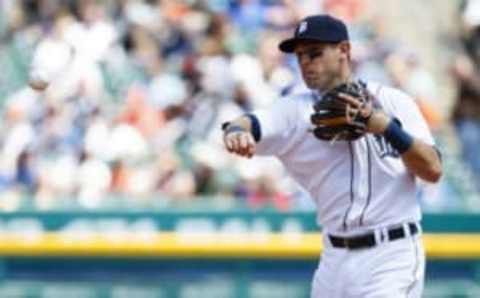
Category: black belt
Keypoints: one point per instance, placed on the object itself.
(368, 240)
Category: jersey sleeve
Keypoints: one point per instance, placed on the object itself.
(404, 108)
(277, 124)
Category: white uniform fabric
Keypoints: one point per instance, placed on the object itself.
(393, 269)
(359, 186)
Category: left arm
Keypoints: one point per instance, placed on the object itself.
(423, 161)
(420, 158)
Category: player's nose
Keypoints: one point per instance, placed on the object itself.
(303, 61)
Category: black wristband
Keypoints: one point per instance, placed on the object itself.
(397, 137)
(225, 125)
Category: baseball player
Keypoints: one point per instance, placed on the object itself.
(358, 148)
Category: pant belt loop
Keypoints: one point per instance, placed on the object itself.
(383, 233)
(406, 229)
(379, 238)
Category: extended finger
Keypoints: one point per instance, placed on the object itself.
(232, 143)
(366, 109)
(355, 102)
(243, 138)
(237, 146)
(228, 143)
(245, 144)
(351, 113)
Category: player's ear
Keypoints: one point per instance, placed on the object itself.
(344, 47)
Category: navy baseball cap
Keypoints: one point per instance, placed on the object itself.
(321, 28)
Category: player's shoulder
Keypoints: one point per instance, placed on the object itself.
(296, 92)
(306, 96)
(389, 96)
(379, 89)
(296, 98)
(289, 106)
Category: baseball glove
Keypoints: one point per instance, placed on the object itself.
(334, 118)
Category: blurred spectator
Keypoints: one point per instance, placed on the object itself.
(94, 179)
(466, 113)
(466, 73)
(407, 74)
(264, 194)
(25, 175)
(470, 18)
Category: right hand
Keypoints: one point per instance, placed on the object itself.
(240, 143)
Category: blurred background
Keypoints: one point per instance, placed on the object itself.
(113, 179)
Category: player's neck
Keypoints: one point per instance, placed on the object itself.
(344, 77)
(342, 80)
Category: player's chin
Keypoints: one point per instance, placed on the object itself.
(315, 83)
(312, 84)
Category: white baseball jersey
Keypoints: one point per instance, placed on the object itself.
(357, 186)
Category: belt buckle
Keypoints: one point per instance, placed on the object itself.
(346, 242)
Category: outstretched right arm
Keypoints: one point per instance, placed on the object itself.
(265, 132)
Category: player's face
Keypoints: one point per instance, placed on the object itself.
(322, 63)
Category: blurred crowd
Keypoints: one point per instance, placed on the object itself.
(138, 90)
(466, 73)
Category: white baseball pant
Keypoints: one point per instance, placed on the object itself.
(391, 269)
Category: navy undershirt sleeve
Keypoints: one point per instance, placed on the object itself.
(256, 130)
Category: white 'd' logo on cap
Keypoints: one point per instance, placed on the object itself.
(302, 28)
